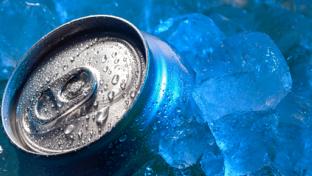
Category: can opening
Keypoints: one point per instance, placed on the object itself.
(74, 85)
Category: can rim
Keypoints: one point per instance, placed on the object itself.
(5, 108)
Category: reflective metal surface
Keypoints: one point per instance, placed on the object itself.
(77, 90)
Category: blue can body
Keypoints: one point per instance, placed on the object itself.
(164, 95)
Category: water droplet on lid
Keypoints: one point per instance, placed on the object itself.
(59, 105)
(105, 87)
(124, 95)
(87, 117)
(116, 61)
(115, 79)
(91, 133)
(65, 67)
(80, 134)
(132, 94)
(69, 129)
(72, 59)
(123, 86)
(104, 59)
(85, 92)
(105, 69)
(127, 102)
(102, 116)
(111, 95)
(95, 104)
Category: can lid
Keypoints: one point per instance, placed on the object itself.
(77, 84)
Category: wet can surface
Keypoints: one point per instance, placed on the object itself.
(84, 97)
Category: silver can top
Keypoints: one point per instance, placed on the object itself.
(79, 87)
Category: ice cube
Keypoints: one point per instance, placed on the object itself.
(7, 65)
(183, 146)
(300, 63)
(232, 20)
(287, 29)
(293, 137)
(212, 163)
(194, 37)
(245, 140)
(24, 23)
(299, 6)
(246, 73)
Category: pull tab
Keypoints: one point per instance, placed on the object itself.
(62, 97)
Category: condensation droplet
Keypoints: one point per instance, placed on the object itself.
(132, 94)
(104, 59)
(72, 59)
(123, 138)
(111, 95)
(80, 134)
(105, 87)
(123, 86)
(95, 104)
(115, 79)
(69, 129)
(65, 67)
(102, 116)
(116, 61)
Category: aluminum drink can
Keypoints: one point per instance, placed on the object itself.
(83, 98)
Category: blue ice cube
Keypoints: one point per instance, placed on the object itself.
(212, 163)
(25, 23)
(287, 29)
(293, 140)
(293, 156)
(182, 147)
(305, 163)
(160, 11)
(7, 64)
(299, 6)
(145, 14)
(246, 73)
(246, 141)
(232, 20)
(194, 37)
(300, 63)
(137, 12)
